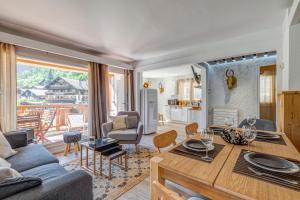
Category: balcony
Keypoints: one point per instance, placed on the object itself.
(50, 121)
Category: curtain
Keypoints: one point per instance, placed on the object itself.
(98, 98)
(185, 89)
(8, 88)
(129, 90)
(267, 83)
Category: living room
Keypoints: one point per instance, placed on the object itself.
(149, 100)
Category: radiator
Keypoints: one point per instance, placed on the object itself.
(219, 115)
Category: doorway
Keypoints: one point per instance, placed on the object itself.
(267, 102)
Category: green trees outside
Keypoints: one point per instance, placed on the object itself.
(28, 77)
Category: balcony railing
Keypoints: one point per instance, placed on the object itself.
(50, 121)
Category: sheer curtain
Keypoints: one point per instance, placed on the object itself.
(8, 87)
(185, 89)
(267, 89)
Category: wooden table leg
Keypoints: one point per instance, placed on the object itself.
(155, 176)
(81, 155)
(109, 169)
(94, 164)
(100, 165)
(87, 157)
(125, 160)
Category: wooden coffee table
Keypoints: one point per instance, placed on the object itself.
(100, 145)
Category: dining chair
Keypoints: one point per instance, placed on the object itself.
(165, 139)
(261, 124)
(163, 193)
(191, 129)
(47, 121)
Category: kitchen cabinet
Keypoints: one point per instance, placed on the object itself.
(183, 114)
(289, 115)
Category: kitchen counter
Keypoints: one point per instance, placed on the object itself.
(183, 114)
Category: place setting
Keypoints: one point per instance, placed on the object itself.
(269, 137)
(203, 149)
(270, 168)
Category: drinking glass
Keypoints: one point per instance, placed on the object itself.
(249, 134)
(251, 120)
(207, 138)
(228, 121)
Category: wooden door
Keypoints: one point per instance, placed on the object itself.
(267, 93)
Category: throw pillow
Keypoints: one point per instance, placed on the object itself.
(119, 122)
(131, 122)
(5, 148)
(4, 163)
(6, 172)
(12, 186)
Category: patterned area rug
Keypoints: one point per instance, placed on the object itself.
(122, 181)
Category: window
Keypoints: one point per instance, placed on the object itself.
(186, 90)
(266, 88)
(116, 93)
(49, 86)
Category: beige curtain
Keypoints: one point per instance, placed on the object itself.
(98, 98)
(8, 87)
(129, 91)
(185, 89)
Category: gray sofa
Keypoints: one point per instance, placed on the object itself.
(57, 184)
(126, 136)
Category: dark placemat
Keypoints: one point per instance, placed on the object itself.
(275, 141)
(181, 150)
(241, 167)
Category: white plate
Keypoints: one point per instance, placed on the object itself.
(293, 169)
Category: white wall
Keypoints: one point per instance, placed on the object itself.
(170, 89)
(294, 57)
(245, 97)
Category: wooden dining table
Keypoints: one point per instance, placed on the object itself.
(216, 180)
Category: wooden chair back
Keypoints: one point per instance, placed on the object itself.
(165, 139)
(191, 129)
(164, 193)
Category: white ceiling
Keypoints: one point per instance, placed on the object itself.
(183, 70)
(140, 29)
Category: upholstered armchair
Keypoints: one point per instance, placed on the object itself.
(125, 136)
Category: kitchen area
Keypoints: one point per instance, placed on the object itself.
(181, 94)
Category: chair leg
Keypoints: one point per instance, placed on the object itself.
(67, 149)
(76, 148)
(136, 148)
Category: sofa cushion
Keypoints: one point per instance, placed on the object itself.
(46, 172)
(5, 148)
(131, 122)
(4, 163)
(127, 134)
(12, 186)
(31, 156)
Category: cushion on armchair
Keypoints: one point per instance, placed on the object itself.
(126, 134)
(119, 122)
(131, 122)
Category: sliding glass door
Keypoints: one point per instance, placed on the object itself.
(51, 99)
